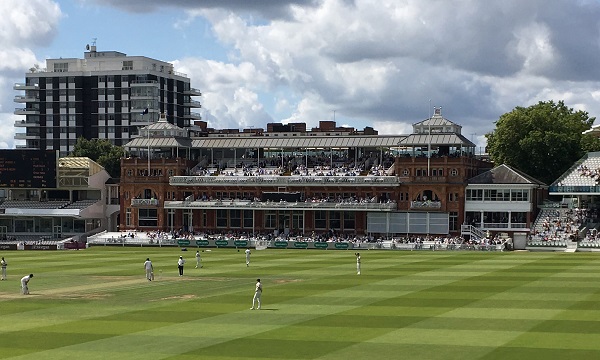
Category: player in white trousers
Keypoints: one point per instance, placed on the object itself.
(149, 269)
(257, 294)
(357, 263)
(247, 256)
(198, 260)
(25, 284)
(180, 264)
(4, 264)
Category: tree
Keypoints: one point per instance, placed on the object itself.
(102, 152)
(542, 140)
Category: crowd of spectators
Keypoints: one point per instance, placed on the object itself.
(584, 170)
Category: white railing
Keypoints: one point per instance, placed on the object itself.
(144, 202)
(284, 180)
(263, 205)
(425, 204)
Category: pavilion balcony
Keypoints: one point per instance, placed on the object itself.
(144, 202)
(425, 205)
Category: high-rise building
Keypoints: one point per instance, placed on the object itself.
(105, 95)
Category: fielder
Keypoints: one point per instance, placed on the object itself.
(180, 264)
(4, 264)
(149, 269)
(198, 260)
(257, 294)
(357, 263)
(25, 283)
(247, 256)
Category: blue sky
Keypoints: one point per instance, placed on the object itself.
(376, 63)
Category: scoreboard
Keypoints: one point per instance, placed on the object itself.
(28, 168)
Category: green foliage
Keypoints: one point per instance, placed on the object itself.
(102, 152)
(590, 143)
(542, 140)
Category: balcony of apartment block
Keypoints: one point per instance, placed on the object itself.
(193, 116)
(26, 147)
(192, 103)
(144, 202)
(142, 83)
(142, 97)
(23, 86)
(425, 205)
(26, 123)
(25, 136)
(26, 111)
(26, 99)
(193, 92)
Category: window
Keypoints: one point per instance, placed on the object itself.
(61, 67)
(297, 221)
(221, 218)
(453, 221)
(170, 218)
(405, 172)
(519, 195)
(320, 220)
(518, 219)
(474, 194)
(248, 219)
(349, 220)
(147, 217)
(128, 217)
(127, 65)
(235, 218)
(453, 172)
(270, 220)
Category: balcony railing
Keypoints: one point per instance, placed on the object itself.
(193, 115)
(144, 202)
(426, 204)
(24, 123)
(25, 111)
(144, 83)
(192, 103)
(25, 136)
(269, 205)
(23, 99)
(193, 91)
(284, 180)
(505, 225)
(23, 86)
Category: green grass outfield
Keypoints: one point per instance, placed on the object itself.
(96, 304)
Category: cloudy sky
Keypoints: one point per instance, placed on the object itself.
(377, 63)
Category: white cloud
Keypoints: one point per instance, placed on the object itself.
(25, 25)
(375, 62)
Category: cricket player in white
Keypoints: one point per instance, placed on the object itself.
(357, 263)
(257, 294)
(180, 264)
(198, 260)
(247, 256)
(3, 264)
(149, 269)
(24, 284)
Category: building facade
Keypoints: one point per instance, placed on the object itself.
(105, 95)
(299, 182)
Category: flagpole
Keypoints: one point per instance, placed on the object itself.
(148, 135)
(429, 144)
